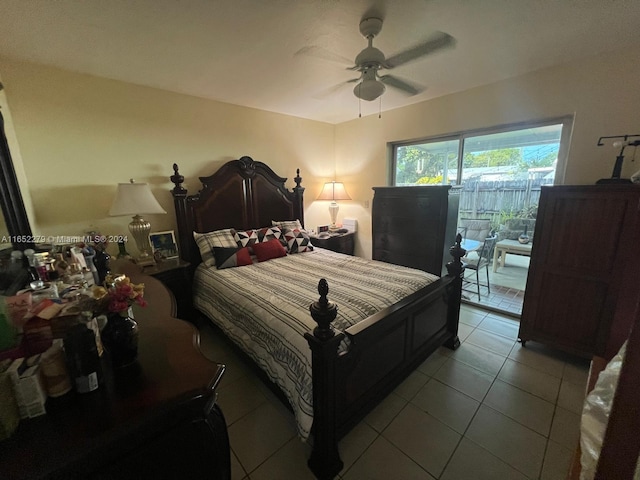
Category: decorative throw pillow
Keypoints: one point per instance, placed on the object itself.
(218, 238)
(268, 250)
(291, 224)
(248, 238)
(298, 241)
(231, 257)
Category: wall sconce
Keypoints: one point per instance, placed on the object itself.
(333, 191)
(136, 199)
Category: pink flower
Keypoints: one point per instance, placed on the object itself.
(119, 296)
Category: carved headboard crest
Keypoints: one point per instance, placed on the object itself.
(242, 194)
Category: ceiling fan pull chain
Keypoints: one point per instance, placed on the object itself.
(380, 107)
(359, 103)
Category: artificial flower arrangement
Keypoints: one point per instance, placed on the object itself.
(118, 294)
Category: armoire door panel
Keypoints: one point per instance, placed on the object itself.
(586, 233)
(570, 312)
(585, 237)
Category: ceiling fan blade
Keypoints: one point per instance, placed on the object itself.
(319, 52)
(403, 86)
(333, 89)
(439, 41)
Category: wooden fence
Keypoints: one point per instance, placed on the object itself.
(500, 199)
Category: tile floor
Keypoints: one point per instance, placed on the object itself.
(490, 410)
(504, 299)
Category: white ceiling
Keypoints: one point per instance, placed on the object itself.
(244, 51)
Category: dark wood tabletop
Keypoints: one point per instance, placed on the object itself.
(169, 369)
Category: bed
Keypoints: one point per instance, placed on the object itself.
(346, 343)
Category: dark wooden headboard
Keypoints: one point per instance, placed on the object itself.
(242, 194)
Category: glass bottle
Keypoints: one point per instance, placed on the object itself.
(82, 357)
(122, 250)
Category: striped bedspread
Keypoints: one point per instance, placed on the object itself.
(264, 308)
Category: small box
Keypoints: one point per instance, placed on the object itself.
(28, 388)
(350, 224)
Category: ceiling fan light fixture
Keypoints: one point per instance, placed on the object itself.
(369, 90)
(370, 55)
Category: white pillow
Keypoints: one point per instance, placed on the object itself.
(292, 224)
(218, 238)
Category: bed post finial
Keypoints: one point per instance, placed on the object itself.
(298, 191)
(298, 178)
(455, 269)
(323, 312)
(325, 460)
(177, 180)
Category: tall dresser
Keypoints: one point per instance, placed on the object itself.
(415, 226)
(581, 265)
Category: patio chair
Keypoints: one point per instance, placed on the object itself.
(475, 229)
(484, 259)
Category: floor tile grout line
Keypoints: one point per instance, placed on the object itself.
(472, 328)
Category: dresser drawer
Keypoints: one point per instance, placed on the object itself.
(408, 225)
(411, 242)
(400, 207)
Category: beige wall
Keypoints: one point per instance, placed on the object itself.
(602, 92)
(81, 135)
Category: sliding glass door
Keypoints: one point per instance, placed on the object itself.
(498, 173)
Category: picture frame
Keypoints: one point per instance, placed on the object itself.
(164, 244)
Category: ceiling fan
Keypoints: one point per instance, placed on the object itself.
(370, 84)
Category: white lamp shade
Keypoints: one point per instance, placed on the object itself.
(134, 199)
(334, 191)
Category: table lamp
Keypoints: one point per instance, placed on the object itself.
(136, 199)
(333, 191)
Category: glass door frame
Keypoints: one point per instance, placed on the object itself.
(563, 152)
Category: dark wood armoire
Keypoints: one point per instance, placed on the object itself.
(580, 266)
(415, 226)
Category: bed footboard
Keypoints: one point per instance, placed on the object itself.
(382, 351)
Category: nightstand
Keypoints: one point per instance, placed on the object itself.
(174, 274)
(340, 243)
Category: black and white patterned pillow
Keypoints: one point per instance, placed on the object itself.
(208, 241)
(247, 238)
(298, 240)
(231, 257)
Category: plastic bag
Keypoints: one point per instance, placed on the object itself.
(595, 416)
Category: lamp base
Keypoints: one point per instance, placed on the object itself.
(140, 229)
(333, 212)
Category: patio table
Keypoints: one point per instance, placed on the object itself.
(509, 246)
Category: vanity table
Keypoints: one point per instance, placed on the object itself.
(151, 419)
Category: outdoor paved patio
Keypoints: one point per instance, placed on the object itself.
(507, 287)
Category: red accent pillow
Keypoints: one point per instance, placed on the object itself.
(243, 256)
(268, 250)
